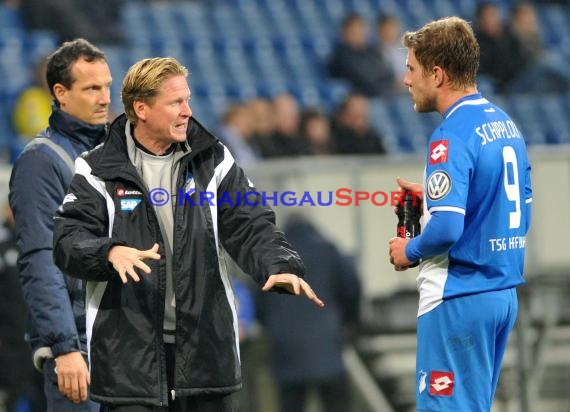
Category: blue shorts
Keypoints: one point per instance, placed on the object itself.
(461, 344)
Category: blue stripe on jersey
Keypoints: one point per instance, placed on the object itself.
(477, 162)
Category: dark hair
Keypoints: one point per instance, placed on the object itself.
(308, 115)
(345, 102)
(351, 18)
(60, 62)
(386, 18)
(484, 6)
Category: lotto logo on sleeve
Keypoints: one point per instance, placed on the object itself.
(441, 383)
(438, 152)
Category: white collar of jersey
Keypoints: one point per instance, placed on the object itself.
(471, 100)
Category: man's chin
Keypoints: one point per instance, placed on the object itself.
(179, 137)
(100, 119)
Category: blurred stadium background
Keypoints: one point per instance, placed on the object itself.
(239, 49)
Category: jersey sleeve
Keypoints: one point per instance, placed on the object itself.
(449, 166)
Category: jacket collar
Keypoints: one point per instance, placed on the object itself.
(115, 150)
(88, 135)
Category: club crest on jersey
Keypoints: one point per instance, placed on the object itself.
(190, 184)
(438, 151)
(438, 185)
(441, 383)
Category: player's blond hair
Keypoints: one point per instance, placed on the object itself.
(450, 44)
(144, 79)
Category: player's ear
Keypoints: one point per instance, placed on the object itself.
(438, 76)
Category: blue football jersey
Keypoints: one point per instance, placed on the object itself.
(477, 165)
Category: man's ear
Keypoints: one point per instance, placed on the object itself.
(60, 93)
(140, 109)
(438, 75)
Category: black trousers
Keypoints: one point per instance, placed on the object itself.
(199, 403)
(333, 394)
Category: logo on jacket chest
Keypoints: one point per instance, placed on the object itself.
(129, 199)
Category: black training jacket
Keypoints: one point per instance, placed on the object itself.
(107, 204)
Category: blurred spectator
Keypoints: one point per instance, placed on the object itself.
(96, 21)
(315, 129)
(501, 58)
(388, 30)
(357, 61)
(20, 384)
(306, 344)
(235, 132)
(33, 105)
(545, 70)
(524, 26)
(287, 118)
(352, 130)
(263, 115)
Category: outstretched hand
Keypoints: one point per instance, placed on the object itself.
(124, 259)
(293, 284)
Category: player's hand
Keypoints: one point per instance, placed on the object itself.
(72, 376)
(398, 253)
(124, 259)
(416, 189)
(293, 284)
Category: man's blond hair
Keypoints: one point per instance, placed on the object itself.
(450, 44)
(145, 78)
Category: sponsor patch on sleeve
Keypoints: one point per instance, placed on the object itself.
(438, 151)
(438, 185)
(441, 383)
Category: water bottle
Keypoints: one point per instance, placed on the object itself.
(409, 213)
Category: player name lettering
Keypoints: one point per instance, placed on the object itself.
(489, 132)
(507, 243)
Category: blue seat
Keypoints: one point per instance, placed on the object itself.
(171, 47)
(256, 22)
(311, 19)
(419, 13)
(555, 123)
(283, 21)
(526, 113)
(6, 130)
(161, 20)
(442, 8)
(334, 11)
(383, 123)
(11, 19)
(411, 127)
(39, 44)
(194, 18)
(134, 18)
(236, 62)
(554, 20)
(227, 21)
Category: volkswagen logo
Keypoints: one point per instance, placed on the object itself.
(438, 185)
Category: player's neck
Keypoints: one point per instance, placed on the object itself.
(451, 96)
